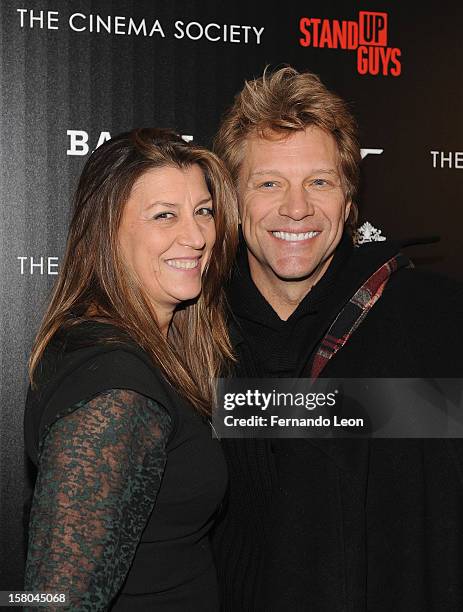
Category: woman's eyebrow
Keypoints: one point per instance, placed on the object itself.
(175, 205)
(162, 203)
(204, 201)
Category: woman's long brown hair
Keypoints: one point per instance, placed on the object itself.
(94, 278)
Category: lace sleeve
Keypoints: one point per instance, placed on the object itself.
(100, 469)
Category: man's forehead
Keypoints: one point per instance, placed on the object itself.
(271, 138)
(311, 142)
(268, 137)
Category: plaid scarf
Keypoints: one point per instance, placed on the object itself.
(354, 312)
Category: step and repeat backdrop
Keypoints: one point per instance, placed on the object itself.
(75, 72)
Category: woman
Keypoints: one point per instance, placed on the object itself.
(128, 474)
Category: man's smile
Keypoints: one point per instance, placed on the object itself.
(294, 236)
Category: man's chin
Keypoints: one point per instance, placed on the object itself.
(300, 269)
(294, 276)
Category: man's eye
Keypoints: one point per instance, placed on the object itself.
(319, 182)
(205, 211)
(268, 184)
(164, 215)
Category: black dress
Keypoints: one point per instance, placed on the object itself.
(128, 480)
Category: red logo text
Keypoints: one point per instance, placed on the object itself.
(368, 37)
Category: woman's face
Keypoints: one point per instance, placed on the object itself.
(167, 233)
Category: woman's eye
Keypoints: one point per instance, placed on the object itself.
(164, 215)
(205, 211)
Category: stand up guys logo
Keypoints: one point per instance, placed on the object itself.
(368, 37)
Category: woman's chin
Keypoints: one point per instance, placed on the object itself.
(186, 295)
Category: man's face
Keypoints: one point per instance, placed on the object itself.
(292, 205)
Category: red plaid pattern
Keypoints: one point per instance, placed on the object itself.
(354, 312)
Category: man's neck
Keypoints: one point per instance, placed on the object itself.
(284, 296)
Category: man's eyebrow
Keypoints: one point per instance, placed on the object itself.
(332, 171)
(279, 173)
(266, 171)
(325, 171)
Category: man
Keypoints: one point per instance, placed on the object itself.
(331, 525)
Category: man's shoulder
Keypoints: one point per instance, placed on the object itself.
(411, 280)
(415, 297)
(418, 283)
(427, 306)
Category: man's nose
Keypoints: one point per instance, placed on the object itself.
(297, 204)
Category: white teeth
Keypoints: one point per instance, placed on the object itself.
(183, 264)
(290, 237)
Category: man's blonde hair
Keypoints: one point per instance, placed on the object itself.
(285, 101)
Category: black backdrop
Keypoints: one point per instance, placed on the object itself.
(64, 82)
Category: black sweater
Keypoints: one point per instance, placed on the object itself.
(346, 525)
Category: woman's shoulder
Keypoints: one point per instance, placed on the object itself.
(90, 350)
(89, 339)
(88, 333)
(86, 360)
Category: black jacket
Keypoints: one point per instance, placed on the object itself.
(347, 525)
